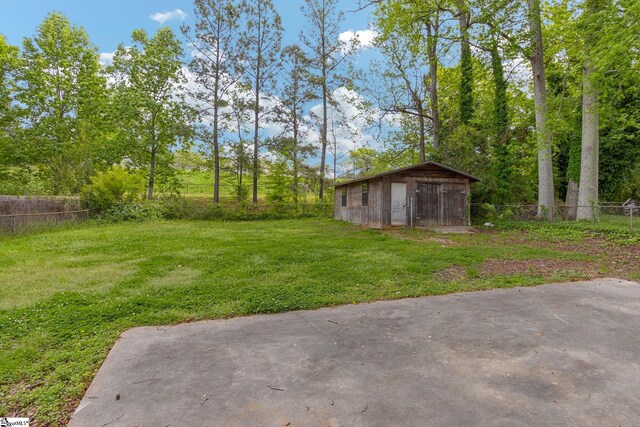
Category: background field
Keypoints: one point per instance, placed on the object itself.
(67, 294)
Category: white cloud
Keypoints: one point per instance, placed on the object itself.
(106, 58)
(162, 17)
(347, 122)
(364, 37)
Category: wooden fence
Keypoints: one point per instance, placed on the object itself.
(18, 213)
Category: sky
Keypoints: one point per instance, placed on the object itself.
(111, 22)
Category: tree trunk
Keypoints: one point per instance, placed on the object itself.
(501, 122)
(335, 162)
(256, 130)
(573, 172)
(432, 44)
(323, 132)
(240, 169)
(466, 66)
(589, 159)
(216, 156)
(421, 118)
(546, 201)
(152, 174)
(216, 143)
(571, 201)
(294, 154)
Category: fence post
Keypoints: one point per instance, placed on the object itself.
(14, 224)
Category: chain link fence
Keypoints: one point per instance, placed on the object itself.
(615, 214)
(15, 223)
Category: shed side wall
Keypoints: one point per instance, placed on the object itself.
(355, 212)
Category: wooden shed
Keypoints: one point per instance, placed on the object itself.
(424, 195)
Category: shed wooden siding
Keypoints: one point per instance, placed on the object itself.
(447, 207)
(354, 211)
(451, 189)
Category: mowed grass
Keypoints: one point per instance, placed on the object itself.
(66, 295)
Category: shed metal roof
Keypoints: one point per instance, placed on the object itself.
(419, 166)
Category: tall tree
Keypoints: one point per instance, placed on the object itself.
(503, 162)
(215, 63)
(147, 77)
(327, 54)
(405, 83)
(546, 197)
(432, 27)
(409, 73)
(466, 64)
(296, 93)
(63, 99)
(239, 137)
(589, 159)
(261, 42)
(9, 64)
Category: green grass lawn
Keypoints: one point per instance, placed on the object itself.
(67, 294)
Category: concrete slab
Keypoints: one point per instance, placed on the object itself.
(564, 354)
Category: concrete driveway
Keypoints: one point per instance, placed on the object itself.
(564, 354)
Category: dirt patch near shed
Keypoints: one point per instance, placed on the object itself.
(451, 274)
(540, 267)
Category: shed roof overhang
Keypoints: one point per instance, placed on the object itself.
(420, 166)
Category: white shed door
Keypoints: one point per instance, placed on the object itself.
(398, 203)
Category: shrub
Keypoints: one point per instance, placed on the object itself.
(114, 187)
(172, 206)
(133, 211)
(488, 212)
(507, 215)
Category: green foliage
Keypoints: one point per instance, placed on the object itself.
(22, 181)
(277, 212)
(466, 85)
(487, 211)
(63, 110)
(280, 190)
(503, 163)
(136, 211)
(115, 186)
(173, 206)
(152, 117)
(260, 43)
(9, 65)
(615, 232)
(60, 123)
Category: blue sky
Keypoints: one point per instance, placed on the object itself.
(110, 22)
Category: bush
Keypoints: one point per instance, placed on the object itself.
(507, 215)
(21, 181)
(273, 212)
(172, 206)
(488, 212)
(116, 187)
(133, 211)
